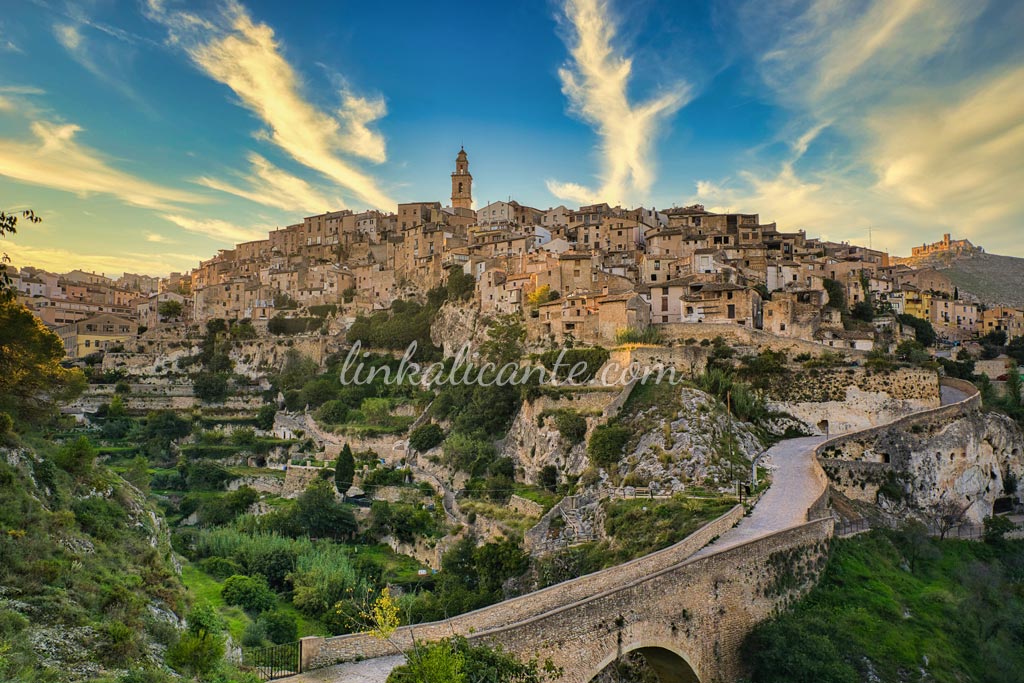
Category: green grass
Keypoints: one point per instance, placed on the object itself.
(893, 604)
(205, 588)
(637, 531)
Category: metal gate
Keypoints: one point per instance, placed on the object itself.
(275, 661)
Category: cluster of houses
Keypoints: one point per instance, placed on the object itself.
(585, 274)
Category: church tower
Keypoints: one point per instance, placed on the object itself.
(462, 183)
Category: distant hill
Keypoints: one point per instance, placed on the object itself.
(993, 279)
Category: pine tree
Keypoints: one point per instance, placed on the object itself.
(344, 470)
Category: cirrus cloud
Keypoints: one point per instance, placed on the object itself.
(596, 83)
(245, 55)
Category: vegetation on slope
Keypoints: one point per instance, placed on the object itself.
(899, 606)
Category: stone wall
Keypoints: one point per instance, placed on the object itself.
(298, 477)
(853, 398)
(525, 507)
(739, 335)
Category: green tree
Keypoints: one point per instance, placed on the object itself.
(251, 593)
(279, 627)
(425, 437)
(77, 457)
(836, 294)
(32, 380)
(607, 443)
(199, 650)
(319, 514)
(210, 387)
(344, 470)
(505, 337)
(265, 417)
(170, 309)
(376, 410)
(924, 332)
(9, 226)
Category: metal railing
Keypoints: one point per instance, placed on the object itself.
(275, 661)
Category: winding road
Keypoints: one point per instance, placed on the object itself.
(796, 485)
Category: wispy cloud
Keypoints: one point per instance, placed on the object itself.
(596, 83)
(157, 238)
(217, 229)
(106, 60)
(245, 55)
(269, 185)
(55, 159)
(912, 146)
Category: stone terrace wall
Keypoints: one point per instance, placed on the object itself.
(362, 646)
(739, 335)
(853, 398)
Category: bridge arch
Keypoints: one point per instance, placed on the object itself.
(665, 659)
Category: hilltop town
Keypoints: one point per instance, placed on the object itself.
(584, 274)
(200, 435)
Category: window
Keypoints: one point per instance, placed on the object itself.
(732, 311)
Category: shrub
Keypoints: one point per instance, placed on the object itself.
(251, 593)
(99, 517)
(221, 567)
(607, 443)
(425, 437)
(210, 387)
(279, 627)
(332, 412)
(76, 457)
(265, 417)
(579, 364)
(572, 426)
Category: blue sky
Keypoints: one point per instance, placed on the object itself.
(150, 133)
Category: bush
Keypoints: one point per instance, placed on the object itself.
(332, 412)
(607, 443)
(251, 593)
(579, 364)
(76, 457)
(425, 437)
(996, 528)
(265, 417)
(210, 387)
(100, 517)
(279, 627)
(571, 425)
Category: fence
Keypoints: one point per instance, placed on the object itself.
(276, 661)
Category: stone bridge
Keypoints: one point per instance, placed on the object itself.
(687, 608)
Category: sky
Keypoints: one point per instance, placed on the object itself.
(150, 133)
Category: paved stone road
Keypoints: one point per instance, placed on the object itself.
(369, 671)
(794, 488)
(785, 503)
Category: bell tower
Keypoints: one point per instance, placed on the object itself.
(462, 182)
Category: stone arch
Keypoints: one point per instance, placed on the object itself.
(665, 659)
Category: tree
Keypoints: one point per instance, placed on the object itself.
(344, 470)
(505, 337)
(319, 514)
(836, 294)
(425, 437)
(924, 332)
(201, 647)
(9, 225)
(251, 593)
(210, 387)
(947, 514)
(607, 443)
(170, 309)
(996, 528)
(265, 417)
(32, 380)
(280, 627)
(77, 457)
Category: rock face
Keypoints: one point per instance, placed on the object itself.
(973, 459)
(455, 326)
(679, 442)
(701, 443)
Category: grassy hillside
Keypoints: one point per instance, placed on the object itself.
(992, 278)
(87, 584)
(899, 606)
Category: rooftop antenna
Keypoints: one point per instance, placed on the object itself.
(869, 239)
